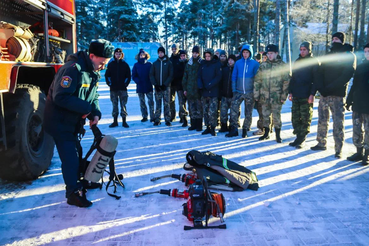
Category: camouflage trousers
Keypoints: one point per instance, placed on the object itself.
(248, 100)
(210, 108)
(271, 111)
(225, 105)
(122, 98)
(335, 105)
(302, 113)
(259, 124)
(358, 121)
(195, 108)
(143, 107)
(181, 101)
(165, 97)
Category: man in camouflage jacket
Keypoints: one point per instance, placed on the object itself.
(271, 90)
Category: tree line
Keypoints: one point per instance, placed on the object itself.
(221, 23)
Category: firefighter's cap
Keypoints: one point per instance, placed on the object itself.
(101, 48)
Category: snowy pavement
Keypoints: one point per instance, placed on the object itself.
(305, 197)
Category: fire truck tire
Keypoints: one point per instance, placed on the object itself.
(30, 148)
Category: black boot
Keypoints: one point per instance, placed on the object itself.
(244, 133)
(318, 147)
(184, 121)
(124, 124)
(115, 123)
(198, 125)
(78, 198)
(207, 131)
(266, 134)
(294, 143)
(278, 135)
(300, 141)
(212, 131)
(193, 124)
(358, 156)
(223, 127)
(233, 132)
(365, 158)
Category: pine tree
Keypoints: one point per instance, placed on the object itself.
(148, 28)
(122, 21)
(89, 26)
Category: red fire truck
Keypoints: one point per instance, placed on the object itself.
(35, 38)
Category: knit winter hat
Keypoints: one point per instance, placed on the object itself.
(117, 50)
(182, 52)
(196, 49)
(101, 48)
(366, 46)
(233, 57)
(340, 36)
(161, 49)
(174, 46)
(307, 45)
(272, 48)
(223, 52)
(210, 51)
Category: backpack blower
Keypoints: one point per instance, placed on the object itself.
(202, 204)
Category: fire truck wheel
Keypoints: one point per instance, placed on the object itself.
(30, 148)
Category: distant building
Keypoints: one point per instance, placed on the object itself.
(130, 50)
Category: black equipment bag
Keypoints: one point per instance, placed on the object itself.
(220, 172)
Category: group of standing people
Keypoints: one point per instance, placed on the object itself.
(215, 86)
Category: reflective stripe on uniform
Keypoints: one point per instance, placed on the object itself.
(88, 85)
(225, 163)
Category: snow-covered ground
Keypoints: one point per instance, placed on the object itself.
(305, 197)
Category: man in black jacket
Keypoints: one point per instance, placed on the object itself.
(177, 79)
(118, 76)
(71, 99)
(302, 92)
(226, 93)
(179, 61)
(161, 75)
(359, 99)
(336, 70)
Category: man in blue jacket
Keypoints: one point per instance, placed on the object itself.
(118, 76)
(141, 76)
(71, 99)
(243, 75)
(209, 76)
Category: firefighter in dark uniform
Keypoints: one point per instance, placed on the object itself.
(71, 99)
